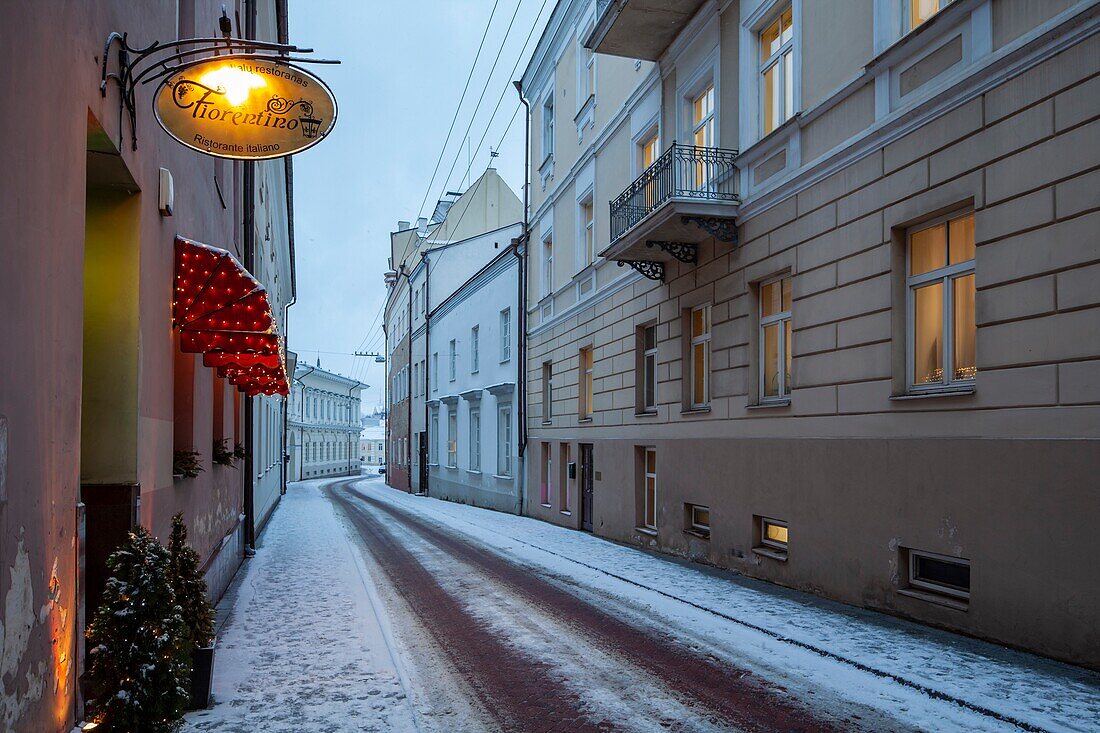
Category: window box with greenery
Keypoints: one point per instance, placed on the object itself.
(221, 455)
(186, 464)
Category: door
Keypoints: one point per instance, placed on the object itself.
(586, 486)
(423, 451)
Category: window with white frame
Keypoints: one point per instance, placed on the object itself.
(586, 70)
(548, 127)
(547, 279)
(702, 133)
(649, 489)
(698, 519)
(433, 439)
(942, 326)
(648, 150)
(647, 385)
(474, 348)
(773, 534)
(453, 356)
(587, 234)
(700, 356)
(435, 372)
(504, 440)
(475, 438)
(920, 11)
(584, 380)
(547, 391)
(775, 339)
(505, 335)
(452, 437)
(777, 71)
(940, 574)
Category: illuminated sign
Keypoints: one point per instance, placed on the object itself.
(245, 107)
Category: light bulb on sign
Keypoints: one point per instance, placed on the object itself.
(236, 83)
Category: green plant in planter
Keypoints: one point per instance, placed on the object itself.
(138, 648)
(186, 463)
(189, 587)
(238, 451)
(221, 455)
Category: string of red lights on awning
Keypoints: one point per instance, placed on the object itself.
(222, 313)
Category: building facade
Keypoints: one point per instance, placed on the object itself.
(97, 398)
(856, 325)
(372, 446)
(431, 261)
(324, 424)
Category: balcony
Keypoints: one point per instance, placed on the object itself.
(639, 29)
(688, 195)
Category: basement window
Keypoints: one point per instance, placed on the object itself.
(772, 538)
(698, 520)
(939, 575)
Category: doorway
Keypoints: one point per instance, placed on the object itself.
(587, 475)
(422, 452)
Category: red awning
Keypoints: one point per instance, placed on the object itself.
(222, 312)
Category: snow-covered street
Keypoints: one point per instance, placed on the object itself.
(367, 609)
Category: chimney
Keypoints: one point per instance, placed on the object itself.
(422, 226)
(402, 226)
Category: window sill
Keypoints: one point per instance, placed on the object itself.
(696, 410)
(475, 473)
(769, 404)
(501, 476)
(779, 555)
(547, 422)
(933, 394)
(646, 413)
(698, 533)
(957, 604)
(584, 420)
(433, 465)
(646, 530)
(566, 513)
(545, 506)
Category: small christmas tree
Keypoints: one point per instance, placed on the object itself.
(138, 642)
(189, 587)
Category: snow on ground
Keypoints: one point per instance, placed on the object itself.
(306, 647)
(910, 670)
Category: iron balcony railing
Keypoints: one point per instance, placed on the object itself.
(683, 171)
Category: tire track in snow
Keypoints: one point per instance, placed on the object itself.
(515, 690)
(735, 695)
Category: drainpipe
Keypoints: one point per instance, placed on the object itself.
(286, 315)
(425, 471)
(249, 181)
(408, 383)
(519, 249)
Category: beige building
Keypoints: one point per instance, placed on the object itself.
(839, 325)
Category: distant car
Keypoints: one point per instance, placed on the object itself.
(382, 469)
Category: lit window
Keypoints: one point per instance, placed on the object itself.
(504, 440)
(777, 71)
(773, 534)
(700, 356)
(647, 155)
(647, 385)
(475, 439)
(584, 395)
(775, 339)
(921, 10)
(475, 357)
(649, 498)
(941, 574)
(505, 335)
(547, 391)
(452, 438)
(699, 519)
(942, 323)
(702, 134)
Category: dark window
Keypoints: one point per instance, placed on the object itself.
(941, 572)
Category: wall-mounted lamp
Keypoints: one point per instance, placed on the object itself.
(167, 198)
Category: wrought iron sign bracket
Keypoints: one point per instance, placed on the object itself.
(158, 60)
(687, 253)
(650, 270)
(722, 229)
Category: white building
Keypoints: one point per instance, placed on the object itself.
(372, 445)
(324, 424)
(467, 355)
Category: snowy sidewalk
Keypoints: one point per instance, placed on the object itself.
(862, 653)
(305, 648)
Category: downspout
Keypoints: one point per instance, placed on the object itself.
(519, 249)
(408, 385)
(249, 181)
(425, 470)
(284, 35)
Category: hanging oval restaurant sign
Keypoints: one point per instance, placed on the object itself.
(245, 107)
